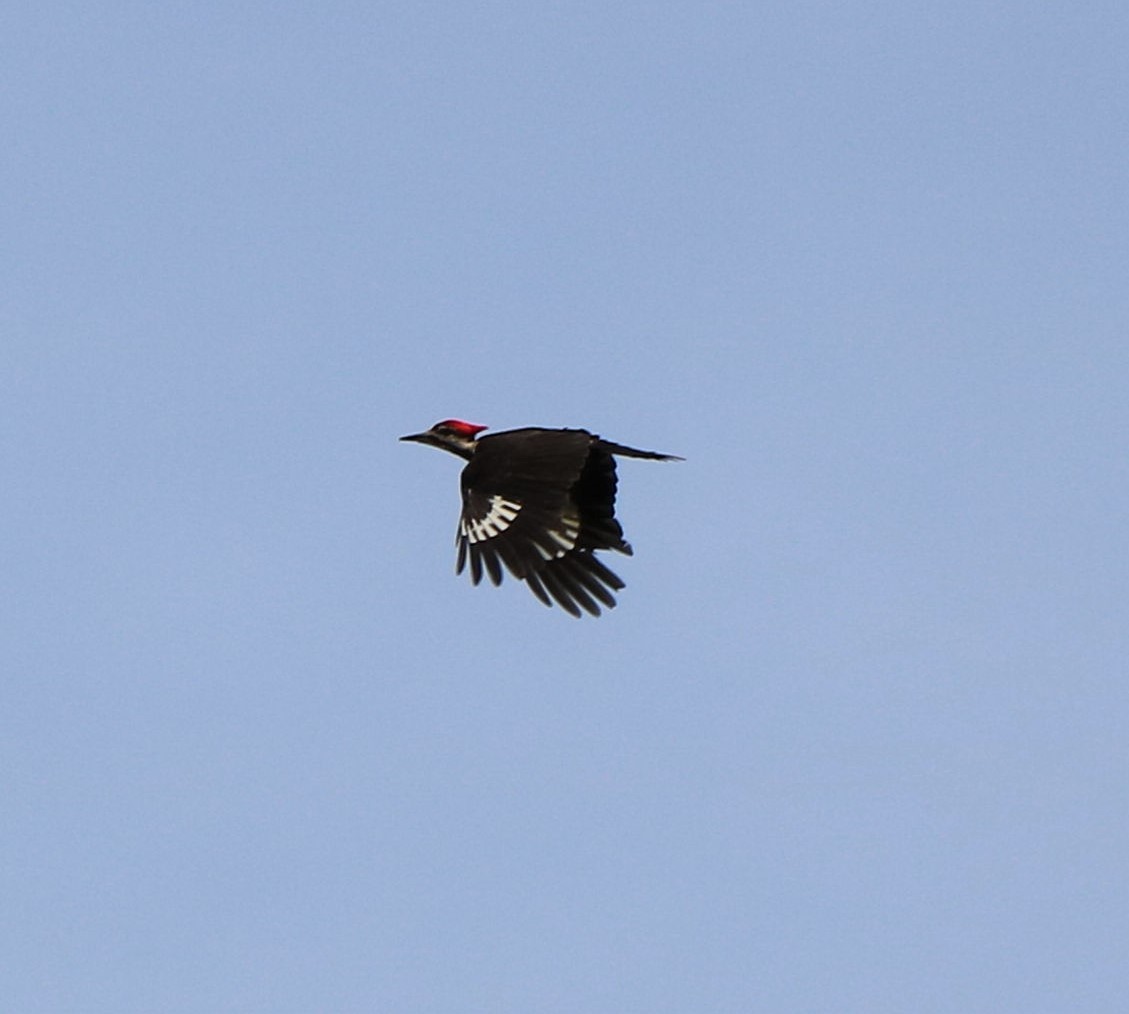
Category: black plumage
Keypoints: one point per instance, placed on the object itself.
(539, 503)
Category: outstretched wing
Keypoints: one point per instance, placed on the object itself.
(538, 503)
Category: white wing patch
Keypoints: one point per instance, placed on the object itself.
(565, 539)
(498, 518)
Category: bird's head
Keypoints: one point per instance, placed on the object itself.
(452, 435)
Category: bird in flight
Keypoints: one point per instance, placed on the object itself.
(541, 502)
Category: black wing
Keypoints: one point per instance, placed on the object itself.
(539, 503)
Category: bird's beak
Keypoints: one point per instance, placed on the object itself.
(419, 438)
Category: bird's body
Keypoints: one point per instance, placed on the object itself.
(539, 502)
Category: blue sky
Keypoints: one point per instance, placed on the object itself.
(854, 739)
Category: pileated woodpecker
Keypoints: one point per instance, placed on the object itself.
(541, 502)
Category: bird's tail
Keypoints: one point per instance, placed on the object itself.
(634, 452)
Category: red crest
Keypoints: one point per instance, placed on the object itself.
(466, 428)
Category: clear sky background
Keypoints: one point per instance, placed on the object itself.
(855, 739)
